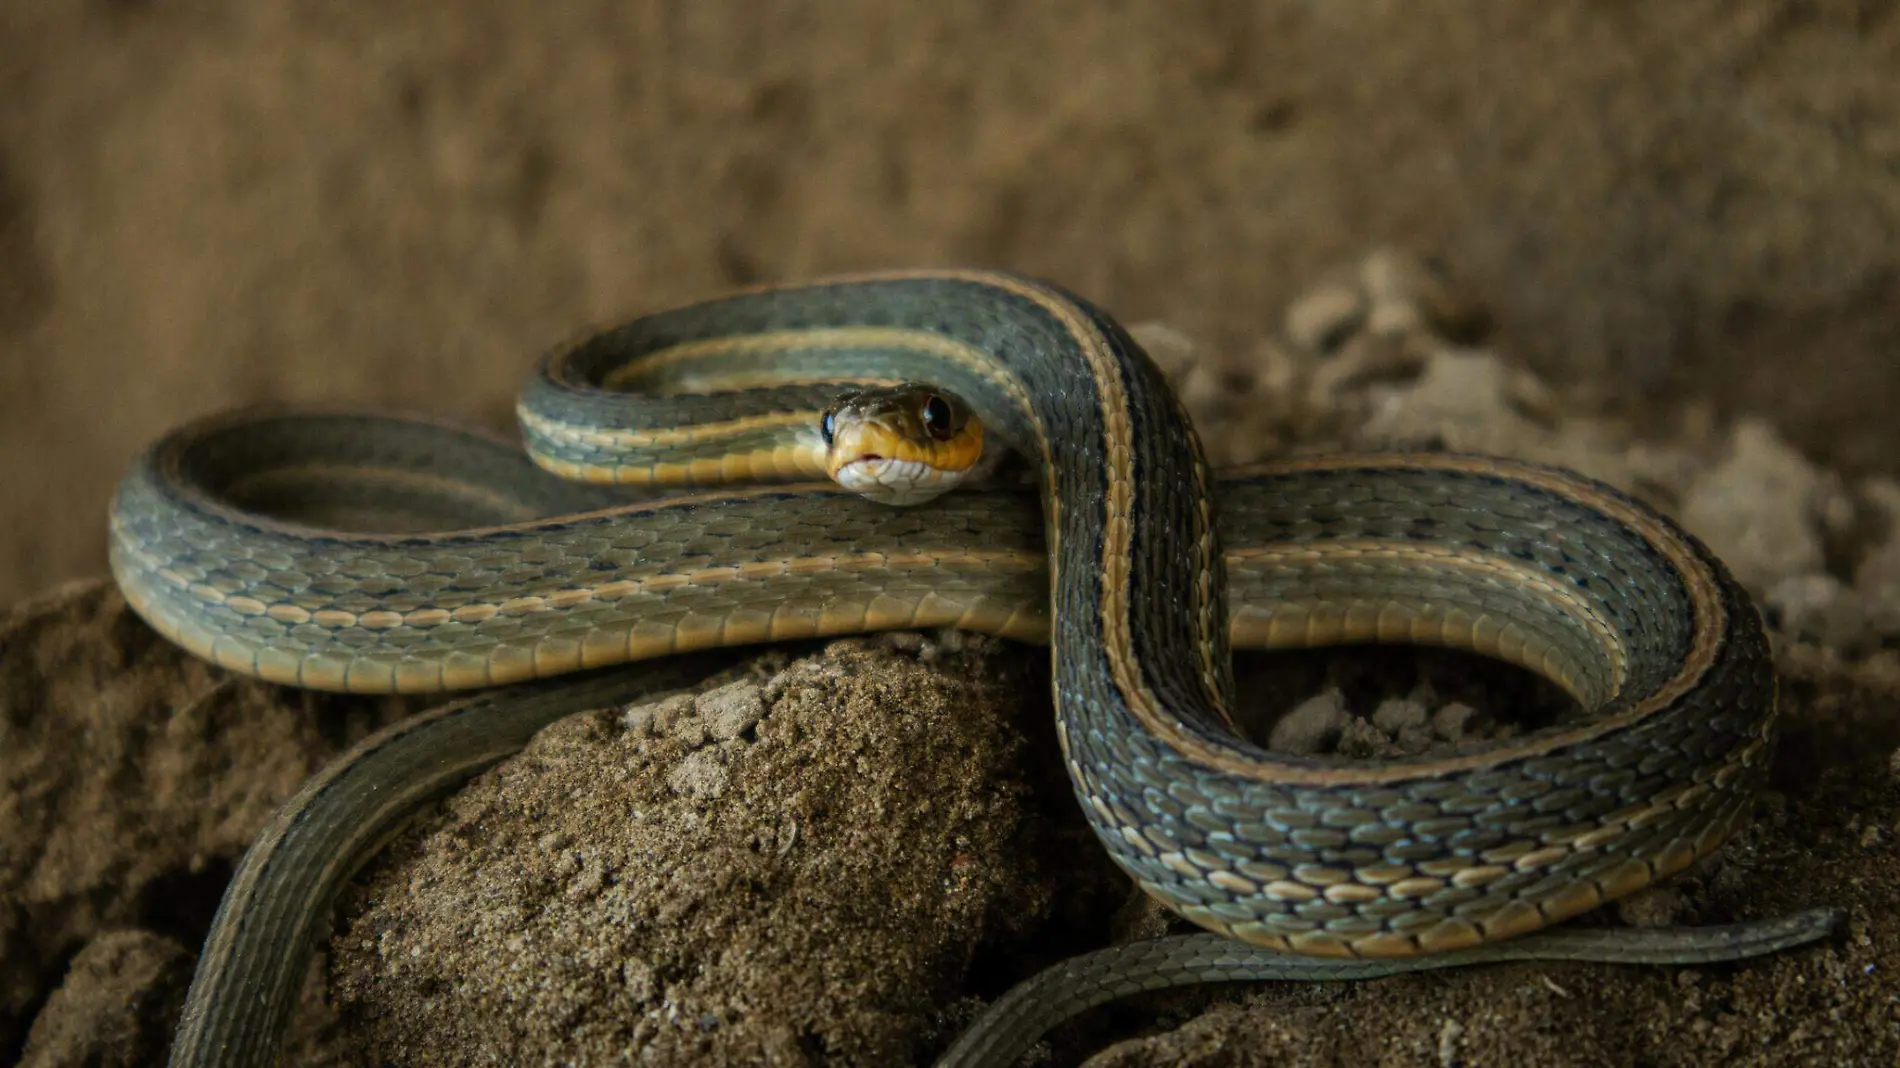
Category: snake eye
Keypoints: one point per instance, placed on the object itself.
(828, 426)
(936, 416)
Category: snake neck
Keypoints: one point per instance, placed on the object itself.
(1138, 580)
(1126, 485)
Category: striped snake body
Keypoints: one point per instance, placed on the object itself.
(1138, 569)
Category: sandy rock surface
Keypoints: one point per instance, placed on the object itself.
(798, 866)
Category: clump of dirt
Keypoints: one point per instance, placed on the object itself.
(118, 1004)
(800, 866)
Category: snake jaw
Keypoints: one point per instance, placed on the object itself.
(902, 483)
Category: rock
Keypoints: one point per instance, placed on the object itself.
(1313, 726)
(1756, 508)
(810, 869)
(116, 1007)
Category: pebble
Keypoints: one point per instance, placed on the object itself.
(1323, 318)
(732, 709)
(1313, 726)
(1755, 509)
(1456, 721)
(702, 775)
(1395, 714)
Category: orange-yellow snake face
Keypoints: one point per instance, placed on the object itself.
(901, 445)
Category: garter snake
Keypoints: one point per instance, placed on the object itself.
(1127, 569)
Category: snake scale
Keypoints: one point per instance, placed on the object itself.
(445, 562)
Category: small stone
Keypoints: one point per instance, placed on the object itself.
(1835, 508)
(1205, 389)
(1653, 907)
(1395, 714)
(1877, 582)
(1360, 740)
(1756, 509)
(664, 714)
(1416, 739)
(637, 720)
(1450, 1036)
(701, 775)
(1457, 721)
(1459, 399)
(1170, 348)
(1393, 318)
(1276, 368)
(1883, 496)
(1410, 292)
(116, 1004)
(1323, 318)
(731, 710)
(1312, 726)
(904, 641)
(592, 877)
(1818, 607)
(1391, 275)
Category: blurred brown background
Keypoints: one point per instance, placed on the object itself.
(210, 203)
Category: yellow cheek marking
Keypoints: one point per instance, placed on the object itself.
(854, 441)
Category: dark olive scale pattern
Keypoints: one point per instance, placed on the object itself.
(1121, 771)
(229, 537)
(1161, 808)
(193, 536)
(1171, 821)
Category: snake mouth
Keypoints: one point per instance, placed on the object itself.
(901, 445)
(893, 481)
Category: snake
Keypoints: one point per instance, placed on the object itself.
(385, 553)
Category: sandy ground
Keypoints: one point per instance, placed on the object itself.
(1681, 217)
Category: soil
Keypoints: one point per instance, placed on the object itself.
(1655, 243)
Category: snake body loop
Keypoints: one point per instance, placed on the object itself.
(1127, 570)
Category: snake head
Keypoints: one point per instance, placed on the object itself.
(901, 445)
